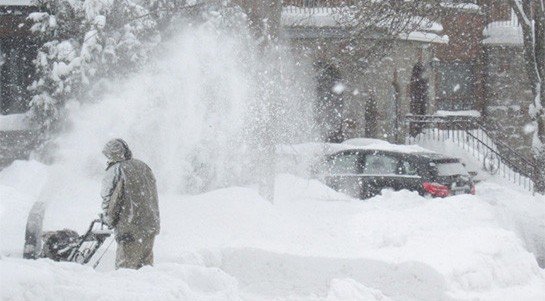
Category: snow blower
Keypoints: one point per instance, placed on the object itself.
(62, 245)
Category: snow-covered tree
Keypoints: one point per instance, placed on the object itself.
(86, 42)
(531, 15)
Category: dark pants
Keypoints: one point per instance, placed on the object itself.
(134, 253)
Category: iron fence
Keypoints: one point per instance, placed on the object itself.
(468, 133)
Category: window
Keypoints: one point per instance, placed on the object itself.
(376, 164)
(456, 86)
(451, 169)
(344, 164)
(408, 168)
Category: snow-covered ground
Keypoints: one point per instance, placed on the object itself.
(311, 244)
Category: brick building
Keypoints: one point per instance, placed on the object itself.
(507, 87)
(459, 74)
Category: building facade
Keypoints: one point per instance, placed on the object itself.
(507, 87)
(477, 71)
(17, 50)
(362, 94)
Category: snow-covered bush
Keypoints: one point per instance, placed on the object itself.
(86, 42)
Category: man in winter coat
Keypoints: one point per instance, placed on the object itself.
(130, 204)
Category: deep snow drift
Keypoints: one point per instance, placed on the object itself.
(312, 244)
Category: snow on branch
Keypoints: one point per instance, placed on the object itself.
(85, 42)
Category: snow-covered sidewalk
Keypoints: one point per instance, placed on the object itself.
(312, 244)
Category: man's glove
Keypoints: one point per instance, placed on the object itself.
(104, 220)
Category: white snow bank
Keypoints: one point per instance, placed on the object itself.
(18, 2)
(503, 33)
(462, 6)
(46, 280)
(465, 113)
(426, 37)
(399, 245)
(521, 213)
(348, 289)
(324, 17)
(13, 122)
(280, 275)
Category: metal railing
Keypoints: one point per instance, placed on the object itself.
(313, 6)
(469, 134)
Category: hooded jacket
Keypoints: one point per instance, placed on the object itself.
(129, 194)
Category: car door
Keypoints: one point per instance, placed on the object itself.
(344, 173)
(410, 174)
(380, 171)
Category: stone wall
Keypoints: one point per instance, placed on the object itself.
(508, 96)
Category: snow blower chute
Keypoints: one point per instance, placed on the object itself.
(62, 245)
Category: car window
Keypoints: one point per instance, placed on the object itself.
(344, 164)
(450, 169)
(378, 164)
(408, 168)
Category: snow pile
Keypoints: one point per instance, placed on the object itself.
(46, 280)
(466, 113)
(462, 6)
(311, 244)
(17, 2)
(13, 122)
(503, 33)
(323, 17)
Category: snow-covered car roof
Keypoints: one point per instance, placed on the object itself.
(381, 145)
(356, 143)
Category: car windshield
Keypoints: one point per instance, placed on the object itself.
(450, 169)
